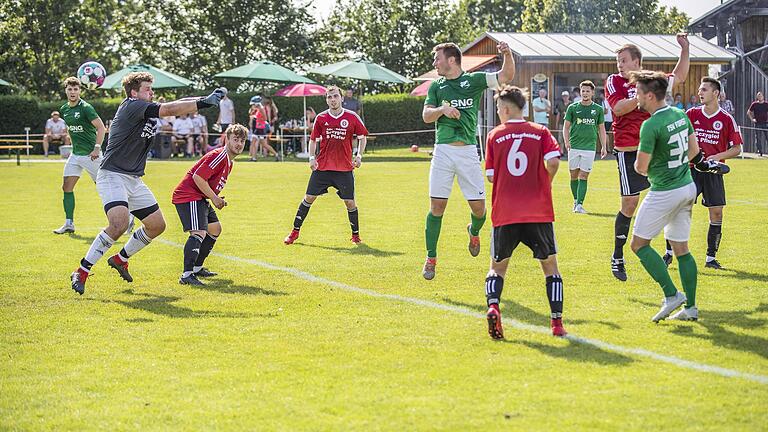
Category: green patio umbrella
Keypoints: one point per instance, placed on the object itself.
(264, 70)
(163, 79)
(362, 70)
(4, 82)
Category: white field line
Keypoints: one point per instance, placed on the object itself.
(638, 352)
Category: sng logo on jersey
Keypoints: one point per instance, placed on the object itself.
(75, 129)
(464, 84)
(717, 125)
(462, 103)
(344, 123)
(590, 122)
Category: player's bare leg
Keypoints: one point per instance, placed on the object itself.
(476, 224)
(554, 284)
(68, 187)
(354, 221)
(153, 226)
(301, 215)
(494, 284)
(432, 234)
(621, 234)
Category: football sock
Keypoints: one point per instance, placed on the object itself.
(555, 295)
(301, 214)
(655, 267)
(353, 220)
(688, 274)
(714, 235)
(493, 287)
(432, 233)
(99, 247)
(69, 205)
(139, 239)
(477, 223)
(582, 191)
(575, 189)
(191, 252)
(669, 247)
(208, 242)
(621, 231)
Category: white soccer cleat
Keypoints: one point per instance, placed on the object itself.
(579, 209)
(66, 228)
(687, 314)
(668, 305)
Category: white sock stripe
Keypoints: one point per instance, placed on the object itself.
(141, 235)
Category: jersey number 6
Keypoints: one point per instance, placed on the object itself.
(517, 161)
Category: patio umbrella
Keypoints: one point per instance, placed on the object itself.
(303, 90)
(362, 70)
(421, 89)
(162, 79)
(264, 70)
(4, 82)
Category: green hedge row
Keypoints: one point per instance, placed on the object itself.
(382, 113)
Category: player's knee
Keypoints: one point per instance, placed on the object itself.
(716, 214)
(350, 204)
(310, 198)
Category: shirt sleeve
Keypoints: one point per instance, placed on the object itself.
(752, 107)
(551, 147)
(489, 154)
(613, 92)
(734, 133)
(648, 138)
(691, 130)
(600, 115)
(569, 114)
(432, 95)
(316, 130)
(485, 80)
(360, 129)
(91, 114)
(204, 169)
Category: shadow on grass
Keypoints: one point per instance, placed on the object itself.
(361, 249)
(228, 286)
(716, 324)
(602, 215)
(376, 158)
(85, 239)
(738, 274)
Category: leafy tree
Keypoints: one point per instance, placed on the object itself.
(494, 15)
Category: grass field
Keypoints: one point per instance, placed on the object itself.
(323, 335)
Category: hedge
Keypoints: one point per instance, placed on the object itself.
(382, 113)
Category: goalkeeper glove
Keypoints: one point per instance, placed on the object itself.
(211, 100)
(709, 166)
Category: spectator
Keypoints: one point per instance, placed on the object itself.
(199, 132)
(258, 124)
(55, 131)
(182, 131)
(226, 112)
(349, 102)
(726, 104)
(607, 116)
(693, 102)
(541, 108)
(758, 113)
(561, 107)
(575, 96)
(270, 110)
(679, 101)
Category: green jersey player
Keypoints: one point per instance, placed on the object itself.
(86, 132)
(667, 144)
(452, 102)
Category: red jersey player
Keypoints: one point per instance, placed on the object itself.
(203, 182)
(627, 118)
(335, 130)
(719, 138)
(521, 160)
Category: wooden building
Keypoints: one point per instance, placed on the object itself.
(559, 62)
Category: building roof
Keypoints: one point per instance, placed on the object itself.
(718, 16)
(469, 63)
(602, 46)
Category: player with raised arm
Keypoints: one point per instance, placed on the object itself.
(119, 179)
(521, 160)
(584, 124)
(334, 131)
(86, 132)
(452, 103)
(203, 182)
(627, 118)
(667, 144)
(719, 138)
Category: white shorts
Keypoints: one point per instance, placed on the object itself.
(461, 161)
(581, 160)
(669, 210)
(76, 164)
(123, 189)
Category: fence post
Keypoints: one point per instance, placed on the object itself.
(26, 132)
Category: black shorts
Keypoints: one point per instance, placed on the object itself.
(539, 237)
(196, 215)
(343, 181)
(630, 182)
(711, 188)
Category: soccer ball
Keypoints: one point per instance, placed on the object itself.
(91, 75)
(414, 148)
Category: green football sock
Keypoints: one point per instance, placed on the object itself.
(687, 267)
(432, 233)
(574, 188)
(655, 267)
(69, 205)
(477, 223)
(582, 191)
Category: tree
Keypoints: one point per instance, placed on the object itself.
(494, 15)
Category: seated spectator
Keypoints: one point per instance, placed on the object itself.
(199, 132)
(163, 131)
(679, 101)
(693, 102)
(218, 142)
(726, 104)
(182, 131)
(55, 132)
(310, 116)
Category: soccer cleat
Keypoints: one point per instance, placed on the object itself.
(618, 270)
(429, 268)
(667, 259)
(494, 323)
(292, 237)
(574, 206)
(687, 314)
(579, 209)
(713, 264)
(121, 266)
(668, 305)
(204, 272)
(66, 228)
(474, 243)
(190, 280)
(557, 327)
(356, 239)
(78, 278)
